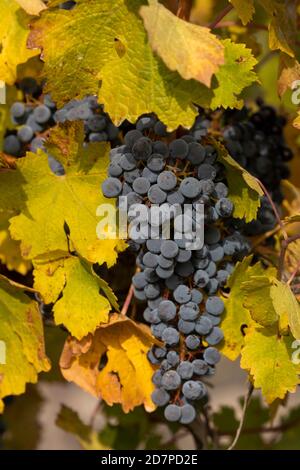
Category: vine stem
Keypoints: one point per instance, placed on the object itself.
(245, 406)
(220, 16)
(268, 196)
(284, 246)
(294, 274)
(127, 301)
(184, 9)
(199, 432)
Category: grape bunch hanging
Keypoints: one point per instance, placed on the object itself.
(181, 286)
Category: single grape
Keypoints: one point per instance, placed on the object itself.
(215, 336)
(188, 414)
(172, 413)
(185, 370)
(171, 380)
(167, 310)
(193, 390)
(160, 397)
(211, 356)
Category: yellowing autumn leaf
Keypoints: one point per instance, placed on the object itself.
(10, 253)
(48, 203)
(282, 25)
(286, 305)
(244, 8)
(244, 190)
(237, 318)
(258, 300)
(81, 307)
(268, 359)
(112, 364)
(191, 50)
(32, 7)
(14, 31)
(22, 353)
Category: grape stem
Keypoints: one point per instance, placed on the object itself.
(184, 9)
(220, 16)
(276, 213)
(245, 406)
(127, 301)
(284, 246)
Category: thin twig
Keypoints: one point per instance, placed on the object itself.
(245, 406)
(127, 301)
(294, 274)
(276, 213)
(284, 246)
(184, 9)
(220, 16)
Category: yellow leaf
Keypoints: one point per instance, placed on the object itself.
(258, 299)
(191, 50)
(125, 376)
(14, 31)
(244, 8)
(32, 7)
(236, 317)
(289, 71)
(268, 359)
(10, 253)
(286, 305)
(282, 26)
(81, 308)
(47, 203)
(22, 344)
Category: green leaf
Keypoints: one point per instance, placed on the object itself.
(25, 410)
(267, 358)
(236, 317)
(47, 203)
(191, 50)
(235, 75)
(244, 190)
(22, 343)
(128, 78)
(244, 8)
(14, 31)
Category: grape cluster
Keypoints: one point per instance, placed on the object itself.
(37, 113)
(97, 125)
(180, 285)
(256, 141)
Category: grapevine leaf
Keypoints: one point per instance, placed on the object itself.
(191, 50)
(289, 72)
(22, 344)
(286, 305)
(47, 203)
(235, 75)
(258, 300)
(128, 78)
(69, 421)
(10, 252)
(81, 307)
(244, 190)
(26, 410)
(14, 33)
(267, 357)
(236, 316)
(32, 7)
(281, 26)
(244, 8)
(125, 377)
